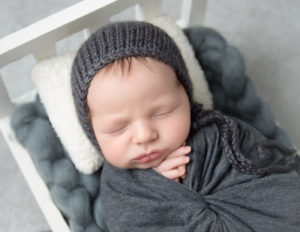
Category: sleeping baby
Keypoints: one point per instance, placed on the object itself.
(169, 164)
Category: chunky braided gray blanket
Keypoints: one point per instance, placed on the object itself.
(77, 195)
(233, 91)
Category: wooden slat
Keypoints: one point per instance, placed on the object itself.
(39, 35)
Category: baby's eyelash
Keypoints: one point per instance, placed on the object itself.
(162, 113)
(116, 130)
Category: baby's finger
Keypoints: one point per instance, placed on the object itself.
(173, 163)
(174, 173)
(184, 150)
(182, 168)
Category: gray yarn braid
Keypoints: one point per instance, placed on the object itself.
(230, 141)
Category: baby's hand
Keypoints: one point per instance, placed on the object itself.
(174, 166)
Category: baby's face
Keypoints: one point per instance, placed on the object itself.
(139, 116)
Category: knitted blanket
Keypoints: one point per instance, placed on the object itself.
(215, 196)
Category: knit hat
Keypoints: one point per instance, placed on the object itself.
(116, 41)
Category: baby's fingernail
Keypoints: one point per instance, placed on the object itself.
(188, 148)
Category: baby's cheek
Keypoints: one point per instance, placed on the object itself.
(112, 150)
(179, 129)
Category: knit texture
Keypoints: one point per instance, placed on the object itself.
(116, 41)
(266, 151)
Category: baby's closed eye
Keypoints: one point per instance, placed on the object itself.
(163, 112)
(116, 130)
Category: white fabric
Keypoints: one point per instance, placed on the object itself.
(52, 80)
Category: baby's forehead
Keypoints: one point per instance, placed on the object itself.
(147, 79)
(134, 71)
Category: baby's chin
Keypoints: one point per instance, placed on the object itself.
(149, 165)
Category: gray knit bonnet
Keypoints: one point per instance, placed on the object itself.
(116, 41)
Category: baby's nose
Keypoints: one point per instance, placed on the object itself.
(144, 132)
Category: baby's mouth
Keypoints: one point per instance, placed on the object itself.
(148, 157)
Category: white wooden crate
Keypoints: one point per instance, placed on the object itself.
(39, 39)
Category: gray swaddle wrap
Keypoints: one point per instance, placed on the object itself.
(215, 196)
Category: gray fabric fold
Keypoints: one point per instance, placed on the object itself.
(215, 196)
